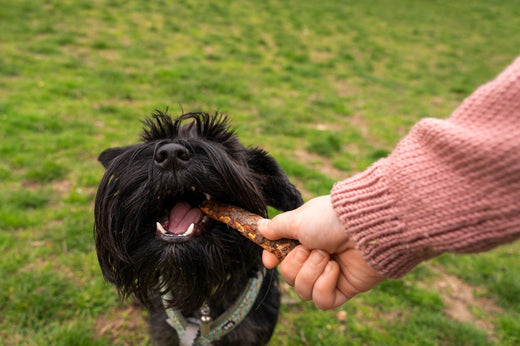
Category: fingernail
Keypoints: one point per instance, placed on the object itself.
(329, 267)
(301, 254)
(262, 224)
(318, 256)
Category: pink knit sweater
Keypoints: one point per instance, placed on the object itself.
(449, 186)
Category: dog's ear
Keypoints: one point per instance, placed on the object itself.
(279, 192)
(111, 153)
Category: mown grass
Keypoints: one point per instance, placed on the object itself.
(337, 82)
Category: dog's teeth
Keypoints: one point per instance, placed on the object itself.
(189, 230)
(208, 197)
(204, 219)
(161, 228)
(193, 188)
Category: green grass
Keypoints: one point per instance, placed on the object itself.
(338, 83)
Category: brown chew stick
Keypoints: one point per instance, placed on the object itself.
(247, 224)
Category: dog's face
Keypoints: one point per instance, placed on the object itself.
(150, 235)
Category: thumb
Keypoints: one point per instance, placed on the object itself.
(281, 226)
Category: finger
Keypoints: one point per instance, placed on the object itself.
(270, 260)
(292, 264)
(281, 226)
(309, 273)
(325, 293)
(356, 275)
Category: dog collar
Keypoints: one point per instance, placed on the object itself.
(192, 331)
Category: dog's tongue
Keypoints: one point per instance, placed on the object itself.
(182, 216)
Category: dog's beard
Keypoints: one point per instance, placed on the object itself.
(134, 196)
(193, 271)
(193, 279)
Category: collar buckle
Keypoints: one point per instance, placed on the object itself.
(205, 321)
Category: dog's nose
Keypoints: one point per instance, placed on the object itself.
(172, 156)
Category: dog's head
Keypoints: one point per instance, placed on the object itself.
(150, 235)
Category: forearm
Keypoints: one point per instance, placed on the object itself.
(449, 186)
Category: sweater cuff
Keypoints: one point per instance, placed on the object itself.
(367, 209)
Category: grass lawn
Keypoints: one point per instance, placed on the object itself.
(327, 87)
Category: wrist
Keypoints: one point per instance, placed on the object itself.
(367, 210)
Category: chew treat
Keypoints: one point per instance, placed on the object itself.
(247, 224)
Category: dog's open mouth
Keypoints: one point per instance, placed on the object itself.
(182, 222)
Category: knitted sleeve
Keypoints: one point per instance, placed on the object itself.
(449, 186)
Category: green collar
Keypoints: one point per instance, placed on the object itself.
(192, 331)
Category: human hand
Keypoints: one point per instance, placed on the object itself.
(326, 267)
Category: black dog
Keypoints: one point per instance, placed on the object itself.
(197, 277)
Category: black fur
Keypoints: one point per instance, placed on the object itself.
(182, 160)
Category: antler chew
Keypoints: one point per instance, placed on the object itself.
(247, 224)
